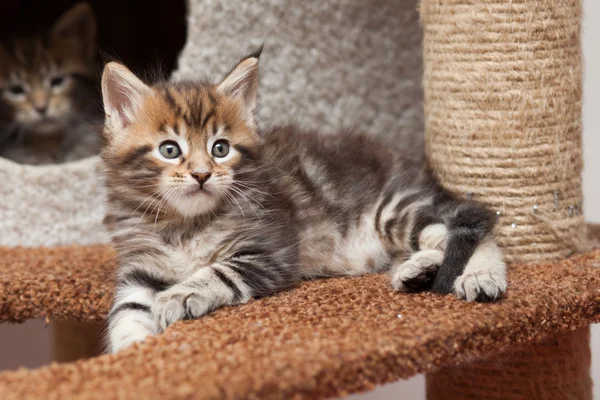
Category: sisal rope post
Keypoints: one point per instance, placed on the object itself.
(503, 116)
(503, 96)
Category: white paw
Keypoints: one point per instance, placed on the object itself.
(484, 278)
(124, 332)
(176, 304)
(480, 286)
(127, 341)
(418, 272)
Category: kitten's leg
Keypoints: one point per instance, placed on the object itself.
(229, 282)
(473, 266)
(206, 290)
(409, 225)
(130, 320)
(452, 250)
(484, 277)
(419, 271)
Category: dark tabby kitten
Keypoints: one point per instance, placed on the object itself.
(206, 211)
(50, 108)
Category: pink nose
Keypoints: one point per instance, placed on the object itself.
(201, 177)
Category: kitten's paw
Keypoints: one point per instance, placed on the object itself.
(127, 330)
(418, 272)
(484, 278)
(482, 286)
(177, 304)
(128, 340)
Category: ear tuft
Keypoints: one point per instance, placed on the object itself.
(256, 53)
(242, 82)
(77, 28)
(123, 94)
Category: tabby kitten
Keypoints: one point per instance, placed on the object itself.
(50, 107)
(205, 210)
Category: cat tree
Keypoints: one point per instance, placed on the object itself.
(502, 110)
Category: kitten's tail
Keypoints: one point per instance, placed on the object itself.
(468, 224)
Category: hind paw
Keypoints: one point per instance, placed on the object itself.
(484, 278)
(418, 272)
(482, 286)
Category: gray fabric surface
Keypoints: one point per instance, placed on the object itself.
(327, 65)
(51, 205)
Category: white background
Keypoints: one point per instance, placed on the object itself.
(27, 344)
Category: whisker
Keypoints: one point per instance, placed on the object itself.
(165, 199)
(246, 200)
(152, 195)
(251, 188)
(249, 196)
(160, 194)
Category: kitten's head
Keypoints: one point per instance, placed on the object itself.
(179, 147)
(46, 80)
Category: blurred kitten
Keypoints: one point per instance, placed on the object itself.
(50, 107)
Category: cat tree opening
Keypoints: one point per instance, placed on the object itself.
(142, 34)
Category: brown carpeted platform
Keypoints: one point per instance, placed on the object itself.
(64, 282)
(325, 338)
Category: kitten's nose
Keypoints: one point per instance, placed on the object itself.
(201, 177)
(41, 108)
(39, 101)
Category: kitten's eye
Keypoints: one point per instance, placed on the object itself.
(220, 149)
(58, 81)
(169, 149)
(16, 90)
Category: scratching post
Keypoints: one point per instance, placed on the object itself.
(503, 126)
(503, 111)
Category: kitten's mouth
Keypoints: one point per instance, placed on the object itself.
(198, 190)
(47, 126)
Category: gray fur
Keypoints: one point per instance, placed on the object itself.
(302, 204)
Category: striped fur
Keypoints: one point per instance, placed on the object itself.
(50, 108)
(282, 206)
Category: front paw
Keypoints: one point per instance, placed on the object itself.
(124, 335)
(177, 304)
(137, 336)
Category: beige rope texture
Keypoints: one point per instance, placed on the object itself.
(503, 116)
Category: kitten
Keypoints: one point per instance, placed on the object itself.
(50, 107)
(206, 210)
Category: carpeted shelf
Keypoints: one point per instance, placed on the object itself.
(59, 282)
(324, 338)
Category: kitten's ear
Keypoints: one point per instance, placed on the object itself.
(242, 81)
(122, 95)
(77, 27)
